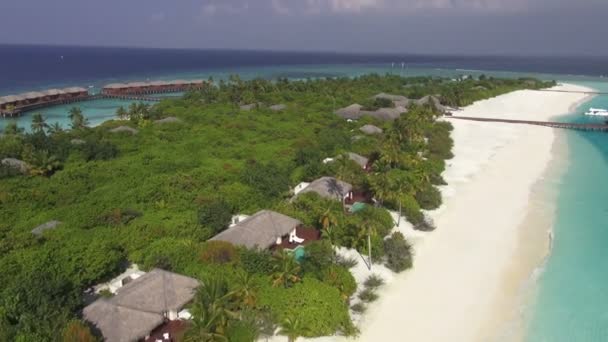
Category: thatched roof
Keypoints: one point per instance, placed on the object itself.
(179, 82)
(137, 84)
(329, 187)
(16, 164)
(371, 129)
(120, 129)
(32, 95)
(390, 97)
(352, 112)
(121, 324)
(157, 83)
(170, 119)
(259, 230)
(139, 306)
(359, 159)
(386, 114)
(45, 226)
(277, 107)
(197, 81)
(52, 92)
(249, 107)
(74, 90)
(115, 86)
(425, 100)
(12, 98)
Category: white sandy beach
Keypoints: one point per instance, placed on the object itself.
(492, 231)
(457, 287)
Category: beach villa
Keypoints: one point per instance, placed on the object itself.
(357, 158)
(147, 305)
(330, 187)
(267, 229)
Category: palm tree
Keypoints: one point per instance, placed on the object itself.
(246, 290)
(369, 229)
(11, 128)
(292, 328)
(43, 163)
(38, 123)
(212, 310)
(328, 220)
(55, 128)
(286, 270)
(77, 118)
(122, 113)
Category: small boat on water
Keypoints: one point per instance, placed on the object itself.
(597, 112)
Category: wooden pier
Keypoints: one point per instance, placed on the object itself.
(133, 97)
(553, 124)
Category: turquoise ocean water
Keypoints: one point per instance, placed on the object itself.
(572, 294)
(572, 297)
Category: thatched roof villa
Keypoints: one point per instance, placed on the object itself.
(263, 230)
(329, 187)
(352, 112)
(13, 104)
(141, 306)
(371, 129)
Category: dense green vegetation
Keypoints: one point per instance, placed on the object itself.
(155, 197)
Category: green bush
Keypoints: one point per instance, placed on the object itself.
(319, 256)
(219, 252)
(429, 197)
(411, 211)
(215, 214)
(167, 253)
(255, 261)
(340, 278)
(318, 306)
(398, 253)
(346, 262)
(358, 308)
(368, 296)
(373, 281)
(242, 331)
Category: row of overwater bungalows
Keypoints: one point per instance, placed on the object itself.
(156, 87)
(14, 104)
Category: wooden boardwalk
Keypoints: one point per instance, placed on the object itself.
(133, 97)
(553, 124)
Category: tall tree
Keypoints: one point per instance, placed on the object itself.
(286, 270)
(38, 123)
(77, 118)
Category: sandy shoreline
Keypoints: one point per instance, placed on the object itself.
(492, 229)
(468, 275)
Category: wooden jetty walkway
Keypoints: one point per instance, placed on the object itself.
(132, 97)
(553, 124)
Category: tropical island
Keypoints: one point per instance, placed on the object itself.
(241, 196)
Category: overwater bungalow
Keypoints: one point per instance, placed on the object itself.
(13, 105)
(155, 87)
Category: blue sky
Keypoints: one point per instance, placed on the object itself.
(539, 27)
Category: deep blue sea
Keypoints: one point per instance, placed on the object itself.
(572, 299)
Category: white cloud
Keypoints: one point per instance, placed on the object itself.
(397, 6)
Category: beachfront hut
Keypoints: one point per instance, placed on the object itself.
(431, 99)
(385, 114)
(330, 187)
(391, 97)
(352, 112)
(263, 229)
(141, 305)
(121, 129)
(371, 129)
